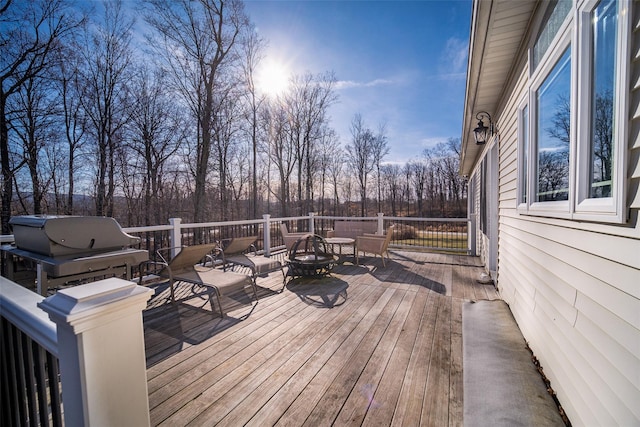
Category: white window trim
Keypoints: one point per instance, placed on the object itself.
(576, 32)
(522, 178)
(607, 209)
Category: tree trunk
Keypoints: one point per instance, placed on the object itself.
(7, 175)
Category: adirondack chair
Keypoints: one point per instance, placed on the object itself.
(374, 243)
(238, 252)
(184, 268)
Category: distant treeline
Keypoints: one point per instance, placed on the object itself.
(96, 120)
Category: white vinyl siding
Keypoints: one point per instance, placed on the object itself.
(634, 128)
(573, 286)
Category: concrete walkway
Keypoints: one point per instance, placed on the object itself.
(502, 386)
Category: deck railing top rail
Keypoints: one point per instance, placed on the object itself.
(425, 233)
(20, 307)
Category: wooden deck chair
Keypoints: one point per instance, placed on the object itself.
(290, 238)
(184, 268)
(242, 251)
(374, 243)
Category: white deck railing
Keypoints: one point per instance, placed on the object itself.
(94, 334)
(84, 327)
(441, 234)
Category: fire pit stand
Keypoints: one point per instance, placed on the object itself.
(310, 256)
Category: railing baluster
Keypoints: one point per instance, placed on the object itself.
(11, 412)
(55, 399)
(29, 378)
(41, 382)
(20, 374)
(30, 381)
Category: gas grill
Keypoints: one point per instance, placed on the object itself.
(68, 250)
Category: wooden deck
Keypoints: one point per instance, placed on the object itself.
(367, 346)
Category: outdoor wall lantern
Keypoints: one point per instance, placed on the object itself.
(482, 133)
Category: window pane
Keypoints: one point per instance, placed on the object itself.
(553, 21)
(553, 130)
(604, 29)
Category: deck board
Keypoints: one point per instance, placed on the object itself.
(369, 345)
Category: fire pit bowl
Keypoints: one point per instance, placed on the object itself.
(310, 256)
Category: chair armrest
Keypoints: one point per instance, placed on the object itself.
(150, 271)
(372, 235)
(370, 238)
(211, 258)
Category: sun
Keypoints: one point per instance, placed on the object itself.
(273, 78)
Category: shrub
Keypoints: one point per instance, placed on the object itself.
(404, 232)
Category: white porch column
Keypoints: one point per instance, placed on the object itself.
(101, 352)
(267, 234)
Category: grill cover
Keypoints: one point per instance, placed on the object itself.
(65, 236)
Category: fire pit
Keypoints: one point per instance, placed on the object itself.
(71, 249)
(310, 256)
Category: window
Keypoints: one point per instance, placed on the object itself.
(556, 15)
(572, 125)
(604, 91)
(553, 132)
(603, 51)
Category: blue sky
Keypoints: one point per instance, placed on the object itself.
(401, 63)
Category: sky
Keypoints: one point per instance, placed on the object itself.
(398, 63)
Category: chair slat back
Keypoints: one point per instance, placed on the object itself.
(189, 256)
(239, 245)
(387, 240)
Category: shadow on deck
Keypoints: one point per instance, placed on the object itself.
(368, 344)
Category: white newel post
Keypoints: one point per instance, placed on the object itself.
(312, 223)
(380, 223)
(101, 352)
(267, 234)
(176, 236)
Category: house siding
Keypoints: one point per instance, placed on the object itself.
(634, 129)
(574, 287)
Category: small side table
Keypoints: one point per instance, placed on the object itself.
(341, 241)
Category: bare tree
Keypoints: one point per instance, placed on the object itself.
(33, 125)
(198, 40)
(282, 152)
(108, 58)
(30, 32)
(157, 128)
(307, 103)
(391, 174)
(553, 161)
(238, 178)
(335, 166)
(361, 156)
(328, 150)
(75, 121)
(253, 52)
(419, 175)
(602, 145)
(406, 188)
(380, 151)
(455, 180)
(225, 131)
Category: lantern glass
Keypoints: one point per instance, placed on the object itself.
(481, 133)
